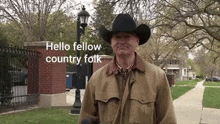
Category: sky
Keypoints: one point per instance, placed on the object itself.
(191, 56)
(88, 5)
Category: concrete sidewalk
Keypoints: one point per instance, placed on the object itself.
(210, 116)
(70, 96)
(189, 109)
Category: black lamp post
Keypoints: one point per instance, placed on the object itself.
(82, 20)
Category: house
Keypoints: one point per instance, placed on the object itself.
(180, 69)
(190, 73)
(174, 66)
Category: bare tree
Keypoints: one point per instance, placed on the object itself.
(31, 16)
(160, 50)
(184, 23)
(206, 63)
(196, 21)
(199, 17)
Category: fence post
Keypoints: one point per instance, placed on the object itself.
(51, 76)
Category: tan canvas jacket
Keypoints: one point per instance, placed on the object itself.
(146, 100)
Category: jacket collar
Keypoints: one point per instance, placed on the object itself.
(138, 64)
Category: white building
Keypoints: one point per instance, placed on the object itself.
(179, 69)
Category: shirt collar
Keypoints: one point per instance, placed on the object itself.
(138, 64)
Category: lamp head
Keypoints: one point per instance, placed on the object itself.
(83, 16)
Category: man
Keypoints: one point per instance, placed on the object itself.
(127, 90)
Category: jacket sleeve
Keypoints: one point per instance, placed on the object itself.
(164, 105)
(89, 109)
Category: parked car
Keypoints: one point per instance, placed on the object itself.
(213, 79)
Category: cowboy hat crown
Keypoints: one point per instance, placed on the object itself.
(125, 23)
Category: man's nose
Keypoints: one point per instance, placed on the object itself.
(122, 40)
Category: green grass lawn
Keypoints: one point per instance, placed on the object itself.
(211, 97)
(178, 91)
(41, 116)
(209, 83)
(188, 82)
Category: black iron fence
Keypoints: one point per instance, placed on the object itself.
(14, 78)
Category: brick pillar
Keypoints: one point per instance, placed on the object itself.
(51, 76)
(33, 74)
(105, 60)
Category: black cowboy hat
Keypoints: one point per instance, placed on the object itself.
(125, 23)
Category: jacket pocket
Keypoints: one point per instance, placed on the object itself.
(107, 106)
(142, 108)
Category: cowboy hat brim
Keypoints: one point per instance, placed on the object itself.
(142, 32)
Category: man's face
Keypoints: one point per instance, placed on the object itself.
(124, 43)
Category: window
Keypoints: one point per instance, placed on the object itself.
(184, 73)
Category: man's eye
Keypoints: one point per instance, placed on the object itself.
(126, 36)
(118, 37)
